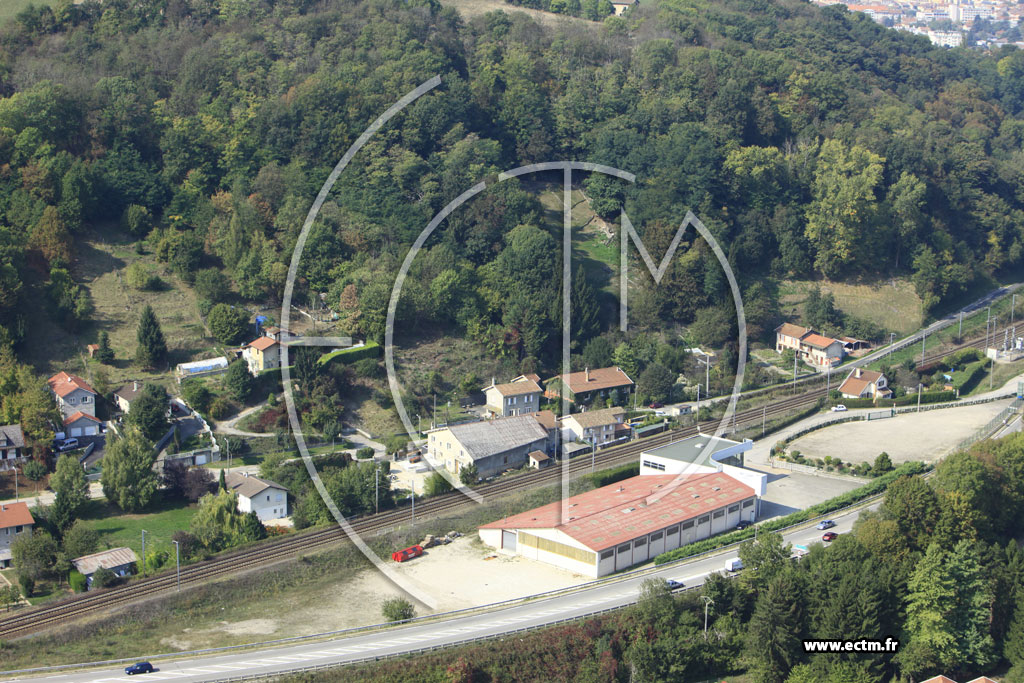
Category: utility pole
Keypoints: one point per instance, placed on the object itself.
(828, 379)
(433, 421)
(593, 453)
(413, 503)
(924, 336)
(892, 338)
(764, 417)
(177, 561)
(919, 397)
(376, 484)
(794, 371)
(1013, 306)
(987, 321)
(707, 602)
(697, 419)
(707, 373)
(143, 552)
(960, 330)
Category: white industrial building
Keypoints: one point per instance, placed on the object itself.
(624, 524)
(703, 454)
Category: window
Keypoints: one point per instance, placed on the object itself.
(686, 525)
(505, 460)
(675, 529)
(654, 465)
(71, 400)
(734, 508)
(268, 497)
(607, 554)
(656, 536)
(639, 542)
(704, 520)
(85, 399)
(18, 529)
(718, 513)
(624, 548)
(748, 503)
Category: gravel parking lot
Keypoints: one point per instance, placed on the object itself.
(925, 436)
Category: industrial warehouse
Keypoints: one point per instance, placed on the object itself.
(611, 528)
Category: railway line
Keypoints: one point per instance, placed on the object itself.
(34, 620)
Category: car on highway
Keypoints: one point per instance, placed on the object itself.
(743, 524)
(674, 584)
(839, 408)
(139, 668)
(829, 536)
(825, 524)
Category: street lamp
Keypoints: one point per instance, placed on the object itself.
(177, 562)
(707, 602)
(143, 552)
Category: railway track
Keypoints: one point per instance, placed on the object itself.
(33, 620)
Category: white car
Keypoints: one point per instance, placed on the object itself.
(840, 408)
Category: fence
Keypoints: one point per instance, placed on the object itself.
(881, 414)
(993, 425)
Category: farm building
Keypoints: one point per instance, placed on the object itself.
(624, 524)
(492, 445)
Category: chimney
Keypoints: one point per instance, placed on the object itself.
(493, 383)
(586, 373)
(857, 373)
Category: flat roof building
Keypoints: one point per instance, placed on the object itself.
(702, 454)
(624, 524)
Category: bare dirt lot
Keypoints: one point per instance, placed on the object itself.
(924, 436)
(457, 575)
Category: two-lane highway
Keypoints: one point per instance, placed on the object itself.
(598, 596)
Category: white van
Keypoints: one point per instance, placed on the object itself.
(733, 564)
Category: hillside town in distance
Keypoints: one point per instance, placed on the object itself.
(950, 24)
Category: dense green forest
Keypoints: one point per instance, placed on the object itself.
(812, 142)
(937, 568)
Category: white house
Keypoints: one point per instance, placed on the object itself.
(126, 395)
(73, 394)
(269, 500)
(865, 384)
(15, 519)
(595, 426)
(521, 396)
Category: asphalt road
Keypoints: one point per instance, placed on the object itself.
(401, 639)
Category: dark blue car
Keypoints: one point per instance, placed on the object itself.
(139, 668)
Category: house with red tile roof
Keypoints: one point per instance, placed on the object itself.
(865, 384)
(583, 387)
(82, 424)
(15, 519)
(73, 394)
(618, 526)
(809, 346)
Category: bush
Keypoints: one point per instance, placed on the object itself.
(27, 583)
(76, 580)
(103, 578)
(196, 395)
(220, 408)
(397, 609)
(364, 453)
(138, 276)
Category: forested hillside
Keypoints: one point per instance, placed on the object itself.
(810, 141)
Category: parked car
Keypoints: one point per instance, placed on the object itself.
(825, 524)
(743, 524)
(656, 404)
(829, 536)
(839, 408)
(674, 584)
(139, 668)
(67, 445)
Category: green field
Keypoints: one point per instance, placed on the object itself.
(9, 8)
(160, 520)
(893, 306)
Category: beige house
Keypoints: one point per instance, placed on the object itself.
(73, 394)
(262, 354)
(492, 445)
(584, 387)
(808, 345)
(126, 395)
(521, 396)
(15, 519)
(865, 384)
(595, 426)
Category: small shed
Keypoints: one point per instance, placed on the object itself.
(118, 560)
(539, 460)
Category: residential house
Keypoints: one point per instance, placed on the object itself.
(120, 561)
(620, 6)
(492, 445)
(124, 396)
(82, 424)
(12, 446)
(14, 519)
(808, 345)
(584, 387)
(549, 422)
(596, 427)
(521, 396)
(262, 354)
(863, 383)
(267, 499)
(73, 394)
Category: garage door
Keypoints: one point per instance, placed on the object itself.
(508, 540)
(91, 431)
(76, 431)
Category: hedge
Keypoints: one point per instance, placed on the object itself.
(77, 581)
(610, 476)
(841, 501)
(909, 399)
(369, 350)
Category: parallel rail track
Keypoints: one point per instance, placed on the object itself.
(33, 620)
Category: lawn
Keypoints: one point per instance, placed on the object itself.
(160, 520)
(10, 8)
(890, 304)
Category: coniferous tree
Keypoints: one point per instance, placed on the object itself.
(152, 348)
(104, 353)
(129, 481)
(222, 485)
(775, 630)
(586, 311)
